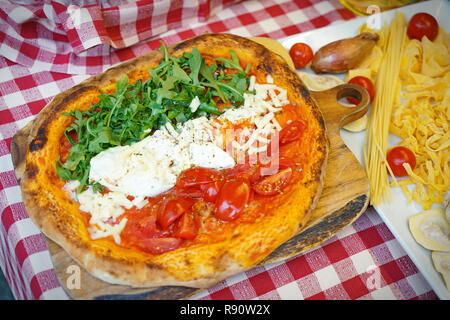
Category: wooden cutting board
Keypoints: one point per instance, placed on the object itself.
(344, 198)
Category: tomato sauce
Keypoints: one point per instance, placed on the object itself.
(65, 145)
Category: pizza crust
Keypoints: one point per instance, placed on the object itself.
(197, 266)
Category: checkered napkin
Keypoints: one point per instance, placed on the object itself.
(43, 54)
(78, 37)
(364, 261)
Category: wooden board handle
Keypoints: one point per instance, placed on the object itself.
(336, 114)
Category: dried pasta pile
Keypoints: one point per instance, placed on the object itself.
(422, 117)
(420, 114)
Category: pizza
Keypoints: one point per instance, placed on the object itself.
(179, 168)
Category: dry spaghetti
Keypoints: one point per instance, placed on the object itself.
(387, 89)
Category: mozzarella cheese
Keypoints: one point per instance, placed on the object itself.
(195, 103)
(210, 156)
(71, 188)
(259, 108)
(105, 209)
(256, 105)
(146, 168)
(152, 165)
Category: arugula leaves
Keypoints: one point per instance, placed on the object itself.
(136, 110)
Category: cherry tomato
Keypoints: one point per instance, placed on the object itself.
(422, 24)
(197, 176)
(274, 146)
(191, 192)
(65, 145)
(211, 190)
(244, 172)
(141, 230)
(273, 184)
(301, 54)
(365, 83)
(138, 227)
(158, 245)
(292, 132)
(276, 164)
(141, 225)
(232, 199)
(186, 227)
(272, 150)
(172, 210)
(286, 162)
(397, 156)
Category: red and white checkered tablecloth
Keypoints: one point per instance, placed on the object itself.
(49, 46)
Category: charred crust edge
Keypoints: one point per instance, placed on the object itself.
(32, 171)
(39, 141)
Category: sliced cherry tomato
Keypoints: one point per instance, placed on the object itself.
(274, 146)
(65, 145)
(274, 153)
(186, 227)
(422, 24)
(211, 190)
(197, 176)
(276, 164)
(397, 156)
(301, 54)
(141, 224)
(158, 245)
(292, 132)
(139, 227)
(191, 192)
(272, 150)
(286, 162)
(364, 82)
(273, 184)
(232, 199)
(244, 172)
(172, 210)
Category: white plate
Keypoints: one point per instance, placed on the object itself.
(396, 213)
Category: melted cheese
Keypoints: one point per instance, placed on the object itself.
(105, 209)
(210, 156)
(151, 166)
(195, 103)
(259, 109)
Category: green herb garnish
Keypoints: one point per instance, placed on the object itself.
(136, 110)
